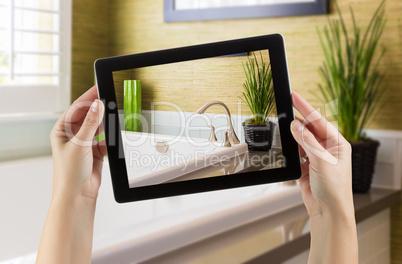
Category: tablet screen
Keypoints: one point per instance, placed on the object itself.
(211, 117)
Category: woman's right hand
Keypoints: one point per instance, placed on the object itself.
(326, 180)
(326, 185)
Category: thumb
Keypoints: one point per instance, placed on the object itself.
(91, 123)
(309, 143)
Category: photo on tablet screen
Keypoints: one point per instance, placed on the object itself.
(198, 119)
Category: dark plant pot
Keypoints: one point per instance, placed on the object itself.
(363, 162)
(259, 137)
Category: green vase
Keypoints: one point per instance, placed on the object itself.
(132, 105)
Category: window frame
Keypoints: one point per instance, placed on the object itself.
(47, 100)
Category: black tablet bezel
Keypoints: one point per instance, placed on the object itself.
(104, 69)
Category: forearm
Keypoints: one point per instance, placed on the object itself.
(67, 234)
(333, 239)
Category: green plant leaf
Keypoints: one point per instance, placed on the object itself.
(258, 89)
(349, 73)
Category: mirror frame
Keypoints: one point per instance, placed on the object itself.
(315, 7)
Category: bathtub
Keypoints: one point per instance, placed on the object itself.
(132, 232)
(146, 166)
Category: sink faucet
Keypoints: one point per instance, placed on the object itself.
(230, 134)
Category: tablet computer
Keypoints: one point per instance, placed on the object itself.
(198, 118)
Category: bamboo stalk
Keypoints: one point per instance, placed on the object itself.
(132, 105)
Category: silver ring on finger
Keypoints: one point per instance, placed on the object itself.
(304, 159)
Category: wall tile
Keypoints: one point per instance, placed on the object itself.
(171, 130)
(220, 120)
(383, 175)
(363, 248)
(371, 261)
(300, 258)
(382, 237)
(25, 139)
(385, 153)
(176, 119)
(374, 238)
(196, 120)
(205, 133)
(7, 137)
(376, 220)
(161, 119)
(192, 133)
(384, 256)
(374, 245)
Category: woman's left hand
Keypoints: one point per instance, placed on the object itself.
(77, 157)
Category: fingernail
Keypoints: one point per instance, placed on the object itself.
(295, 125)
(95, 106)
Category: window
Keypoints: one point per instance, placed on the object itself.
(35, 43)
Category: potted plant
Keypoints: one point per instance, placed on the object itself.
(351, 76)
(259, 96)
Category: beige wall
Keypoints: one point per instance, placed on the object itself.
(191, 84)
(90, 37)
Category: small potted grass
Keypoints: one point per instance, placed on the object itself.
(350, 75)
(259, 96)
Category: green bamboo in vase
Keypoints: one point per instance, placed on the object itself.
(132, 105)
